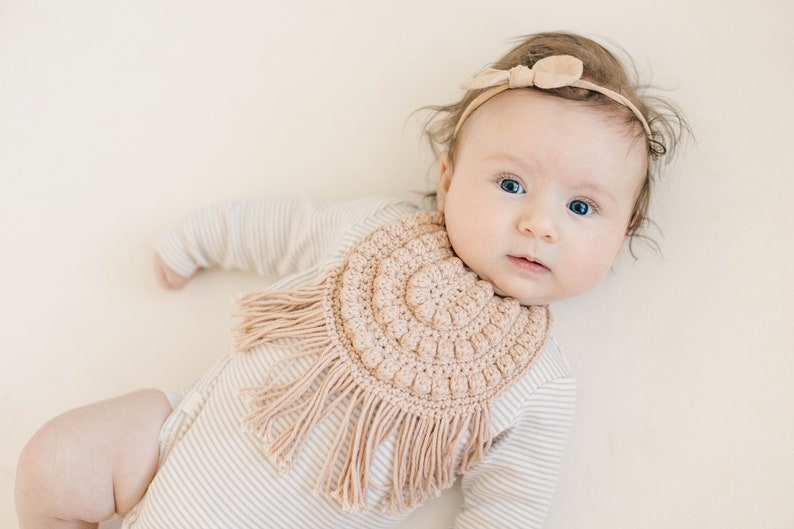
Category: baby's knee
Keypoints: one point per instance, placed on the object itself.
(32, 470)
(56, 474)
(36, 464)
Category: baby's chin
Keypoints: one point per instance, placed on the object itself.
(525, 298)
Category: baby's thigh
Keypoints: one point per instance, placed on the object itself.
(92, 461)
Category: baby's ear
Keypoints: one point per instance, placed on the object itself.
(444, 179)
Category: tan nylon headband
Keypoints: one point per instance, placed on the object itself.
(556, 71)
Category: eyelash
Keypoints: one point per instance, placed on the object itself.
(502, 179)
(590, 204)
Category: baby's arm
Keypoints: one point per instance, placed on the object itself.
(89, 463)
(512, 487)
(273, 237)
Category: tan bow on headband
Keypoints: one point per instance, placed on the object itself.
(556, 71)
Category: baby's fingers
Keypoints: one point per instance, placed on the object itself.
(167, 277)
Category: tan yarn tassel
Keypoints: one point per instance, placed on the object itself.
(273, 315)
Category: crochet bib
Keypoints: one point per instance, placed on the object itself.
(410, 344)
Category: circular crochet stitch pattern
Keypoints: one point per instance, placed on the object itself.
(422, 330)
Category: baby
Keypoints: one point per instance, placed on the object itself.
(403, 348)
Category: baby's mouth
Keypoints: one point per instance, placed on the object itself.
(529, 264)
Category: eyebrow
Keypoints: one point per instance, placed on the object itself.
(505, 156)
(596, 189)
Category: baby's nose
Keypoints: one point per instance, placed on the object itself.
(538, 222)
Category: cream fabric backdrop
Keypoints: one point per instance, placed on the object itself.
(117, 118)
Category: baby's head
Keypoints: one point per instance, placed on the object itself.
(542, 178)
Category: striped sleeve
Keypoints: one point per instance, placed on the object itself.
(512, 487)
(273, 237)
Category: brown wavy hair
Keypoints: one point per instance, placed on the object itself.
(601, 67)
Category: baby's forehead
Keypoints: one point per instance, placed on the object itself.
(517, 118)
(543, 134)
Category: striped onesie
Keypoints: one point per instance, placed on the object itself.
(214, 474)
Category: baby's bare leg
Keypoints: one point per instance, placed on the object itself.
(89, 463)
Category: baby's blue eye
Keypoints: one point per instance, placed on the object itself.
(511, 185)
(580, 207)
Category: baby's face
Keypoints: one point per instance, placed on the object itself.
(540, 194)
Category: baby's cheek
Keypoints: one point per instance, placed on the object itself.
(464, 243)
(591, 274)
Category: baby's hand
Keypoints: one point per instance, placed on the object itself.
(167, 277)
